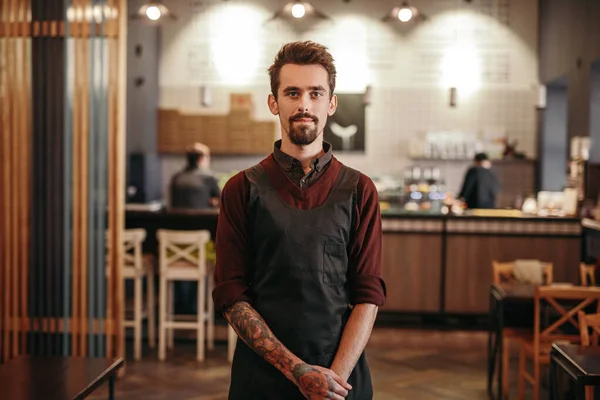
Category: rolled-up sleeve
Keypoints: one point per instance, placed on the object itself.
(364, 269)
(233, 246)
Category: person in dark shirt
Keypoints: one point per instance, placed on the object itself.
(481, 186)
(298, 267)
(195, 187)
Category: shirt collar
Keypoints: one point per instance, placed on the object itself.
(286, 161)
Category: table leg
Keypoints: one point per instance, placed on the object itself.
(111, 387)
(491, 358)
(553, 377)
(499, 345)
(580, 388)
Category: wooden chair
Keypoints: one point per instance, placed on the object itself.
(138, 267)
(587, 321)
(566, 302)
(587, 274)
(182, 257)
(504, 272)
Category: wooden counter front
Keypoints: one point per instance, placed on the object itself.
(438, 264)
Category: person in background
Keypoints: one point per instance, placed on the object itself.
(195, 187)
(481, 185)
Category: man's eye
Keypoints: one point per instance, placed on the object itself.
(317, 94)
(292, 94)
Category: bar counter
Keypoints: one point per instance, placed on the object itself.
(433, 264)
(443, 264)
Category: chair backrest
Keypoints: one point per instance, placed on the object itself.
(504, 272)
(131, 247)
(587, 321)
(587, 274)
(182, 249)
(566, 301)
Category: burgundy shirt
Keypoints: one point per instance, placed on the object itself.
(234, 243)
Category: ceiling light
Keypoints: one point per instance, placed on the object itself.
(405, 14)
(153, 12)
(298, 10)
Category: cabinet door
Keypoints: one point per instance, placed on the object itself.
(412, 271)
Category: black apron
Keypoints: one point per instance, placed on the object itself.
(298, 286)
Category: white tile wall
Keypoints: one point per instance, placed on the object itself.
(401, 65)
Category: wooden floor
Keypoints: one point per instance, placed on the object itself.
(405, 364)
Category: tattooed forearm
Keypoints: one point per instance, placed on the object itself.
(253, 330)
(315, 382)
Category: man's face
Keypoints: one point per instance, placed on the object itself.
(303, 102)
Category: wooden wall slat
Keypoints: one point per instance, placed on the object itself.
(16, 265)
(110, 290)
(85, 106)
(8, 195)
(4, 261)
(75, 346)
(118, 195)
(34, 283)
(3, 132)
(25, 158)
(67, 199)
(91, 192)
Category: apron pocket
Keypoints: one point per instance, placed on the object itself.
(335, 263)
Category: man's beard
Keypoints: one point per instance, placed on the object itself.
(301, 134)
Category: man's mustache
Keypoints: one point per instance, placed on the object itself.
(304, 115)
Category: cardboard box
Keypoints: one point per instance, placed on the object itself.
(241, 101)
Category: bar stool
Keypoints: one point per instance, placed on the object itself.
(182, 257)
(137, 267)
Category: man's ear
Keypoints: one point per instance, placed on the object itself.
(272, 102)
(332, 105)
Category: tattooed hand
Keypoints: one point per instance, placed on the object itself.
(317, 383)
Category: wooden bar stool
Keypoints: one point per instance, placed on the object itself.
(137, 267)
(182, 257)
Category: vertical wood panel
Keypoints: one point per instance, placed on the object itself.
(112, 108)
(117, 152)
(14, 138)
(3, 133)
(25, 158)
(15, 118)
(84, 193)
(4, 162)
(75, 328)
(8, 197)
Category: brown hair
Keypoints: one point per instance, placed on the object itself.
(302, 53)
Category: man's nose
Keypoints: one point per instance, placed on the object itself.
(303, 103)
